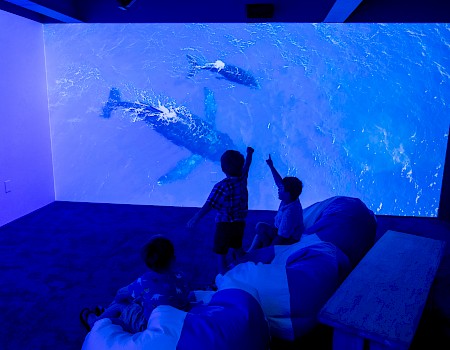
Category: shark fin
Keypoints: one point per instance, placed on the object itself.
(113, 99)
(181, 170)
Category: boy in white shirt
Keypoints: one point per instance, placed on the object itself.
(288, 223)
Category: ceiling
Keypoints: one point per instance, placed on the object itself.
(231, 11)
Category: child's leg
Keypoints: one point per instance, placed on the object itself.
(112, 311)
(132, 318)
(222, 244)
(222, 263)
(237, 255)
(265, 233)
(236, 236)
(240, 252)
(256, 243)
(90, 319)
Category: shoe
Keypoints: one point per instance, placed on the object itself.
(84, 316)
(125, 4)
(99, 310)
(212, 287)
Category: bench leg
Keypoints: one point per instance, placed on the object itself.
(347, 341)
(378, 346)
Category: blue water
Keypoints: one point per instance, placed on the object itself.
(359, 110)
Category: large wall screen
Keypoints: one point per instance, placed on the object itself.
(140, 113)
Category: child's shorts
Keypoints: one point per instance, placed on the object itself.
(228, 235)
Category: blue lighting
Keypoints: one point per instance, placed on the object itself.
(360, 110)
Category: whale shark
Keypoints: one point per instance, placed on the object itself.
(227, 71)
(177, 125)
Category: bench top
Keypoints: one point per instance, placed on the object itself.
(383, 297)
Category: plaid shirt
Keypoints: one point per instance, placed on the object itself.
(230, 198)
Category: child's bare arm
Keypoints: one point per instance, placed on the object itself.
(200, 214)
(275, 174)
(248, 161)
(124, 296)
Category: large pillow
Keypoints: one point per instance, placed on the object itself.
(232, 320)
(345, 222)
(293, 287)
(163, 333)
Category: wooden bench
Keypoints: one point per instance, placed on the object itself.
(379, 305)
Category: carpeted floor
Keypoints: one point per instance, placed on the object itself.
(66, 256)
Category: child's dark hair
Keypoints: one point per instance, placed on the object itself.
(293, 185)
(232, 163)
(158, 253)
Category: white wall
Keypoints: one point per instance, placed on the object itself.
(26, 172)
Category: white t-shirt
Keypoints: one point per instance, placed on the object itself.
(289, 220)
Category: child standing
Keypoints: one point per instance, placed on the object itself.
(229, 197)
(288, 224)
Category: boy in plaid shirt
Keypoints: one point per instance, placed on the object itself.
(229, 197)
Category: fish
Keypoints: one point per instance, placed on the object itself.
(185, 130)
(227, 71)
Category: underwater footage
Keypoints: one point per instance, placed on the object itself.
(141, 113)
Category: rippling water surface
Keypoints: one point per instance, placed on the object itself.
(359, 110)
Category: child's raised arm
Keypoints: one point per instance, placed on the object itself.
(248, 161)
(275, 174)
